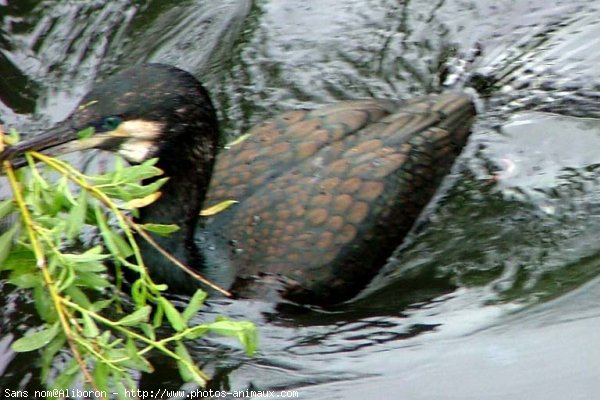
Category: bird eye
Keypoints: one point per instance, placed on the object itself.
(110, 123)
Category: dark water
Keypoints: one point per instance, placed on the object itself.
(494, 295)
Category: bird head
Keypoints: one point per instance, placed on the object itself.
(145, 111)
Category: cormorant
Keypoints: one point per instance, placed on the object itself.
(325, 195)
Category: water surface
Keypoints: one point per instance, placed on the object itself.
(495, 292)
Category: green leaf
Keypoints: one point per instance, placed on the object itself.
(157, 317)
(195, 304)
(161, 229)
(66, 278)
(116, 353)
(100, 305)
(131, 348)
(76, 218)
(37, 182)
(150, 163)
(161, 287)
(139, 292)
(172, 314)
(93, 254)
(184, 370)
(63, 197)
(51, 201)
(119, 166)
(90, 329)
(43, 305)
(19, 259)
(34, 341)
(135, 191)
(148, 331)
(86, 133)
(25, 280)
(50, 351)
(92, 280)
(135, 360)
(244, 331)
(79, 297)
(124, 249)
(196, 331)
(115, 243)
(121, 176)
(6, 241)
(128, 357)
(6, 207)
(187, 370)
(104, 229)
(104, 339)
(141, 172)
(138, 316)
(100, 374)
(95, 266)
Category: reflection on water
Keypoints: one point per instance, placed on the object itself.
(540, 353)
(516, 223)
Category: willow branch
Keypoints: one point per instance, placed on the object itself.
(124, 221)
(42, 265)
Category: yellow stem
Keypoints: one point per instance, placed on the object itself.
(42, 266)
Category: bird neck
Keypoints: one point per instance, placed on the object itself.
(180, 203)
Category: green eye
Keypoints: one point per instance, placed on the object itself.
(111, 123)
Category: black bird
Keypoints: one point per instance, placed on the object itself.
(325, 195)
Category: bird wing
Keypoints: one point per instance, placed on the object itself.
(325, 196)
